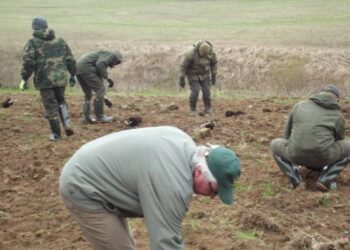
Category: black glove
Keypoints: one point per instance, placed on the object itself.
(182, 82)
(72, 80)
(111, 83)
(213, 79)
(108, 103)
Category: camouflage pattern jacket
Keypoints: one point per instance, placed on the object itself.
(97, 62)
(312, 128)
(195, 67)
(49, 57)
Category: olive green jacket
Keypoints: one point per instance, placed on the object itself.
(49, 57)
(97, 62)
(195, 67)
(312, 128)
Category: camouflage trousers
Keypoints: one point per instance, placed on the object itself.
(89, 83)
(340, 150)
(195, 87)
(52, 98)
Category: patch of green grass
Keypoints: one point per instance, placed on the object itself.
(330, 199)
(15, 90)
(269, 189)
(241, 187)
(324, 201)
(250, 235)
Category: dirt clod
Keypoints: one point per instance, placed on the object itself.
(260, 220)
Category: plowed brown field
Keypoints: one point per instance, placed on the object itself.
(267, 214)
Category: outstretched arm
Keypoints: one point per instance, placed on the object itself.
(164, 210)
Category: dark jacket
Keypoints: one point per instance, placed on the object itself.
(97, 62)
(312, 128)
(49, 57)
(195, 67)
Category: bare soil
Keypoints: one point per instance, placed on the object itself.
(267, 214)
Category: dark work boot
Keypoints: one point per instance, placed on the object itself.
(55, 128)
(193, 106)
(64, 115)
(100, 117)
(87, 112)
(207, 110)
(329, 173)
(289, 169)
(207, 107)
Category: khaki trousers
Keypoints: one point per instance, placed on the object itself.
(103, 230)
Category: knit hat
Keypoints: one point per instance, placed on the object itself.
(331, 89)
(39, 23)
(225, 166)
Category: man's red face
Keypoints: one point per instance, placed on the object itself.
(203, 184)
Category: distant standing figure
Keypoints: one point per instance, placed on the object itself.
(314, 138)
(92, 70)
(146, 172)
(49, 57)
(199, 66)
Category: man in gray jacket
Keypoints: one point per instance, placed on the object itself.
(314, 137)
(91, 71)
(147, 172)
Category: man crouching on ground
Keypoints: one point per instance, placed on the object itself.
(314, 137)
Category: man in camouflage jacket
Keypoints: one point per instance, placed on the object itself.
(314, 137)
(49, 57)
(199, 65)
(91, 71)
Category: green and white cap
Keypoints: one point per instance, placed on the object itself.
(225, 166)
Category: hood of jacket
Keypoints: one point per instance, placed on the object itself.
(199, 43)
(327, 101)
(47, 35)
